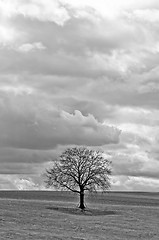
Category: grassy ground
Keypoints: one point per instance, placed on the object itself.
(54, 215)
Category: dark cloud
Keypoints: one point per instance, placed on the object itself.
(28, 124)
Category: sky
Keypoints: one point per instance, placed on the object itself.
(79, 73)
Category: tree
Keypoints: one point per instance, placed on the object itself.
(78, 170)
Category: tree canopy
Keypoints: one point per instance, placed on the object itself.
(78, 170)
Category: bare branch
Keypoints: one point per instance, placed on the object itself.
(80, 169)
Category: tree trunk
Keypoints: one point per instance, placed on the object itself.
(82, 206)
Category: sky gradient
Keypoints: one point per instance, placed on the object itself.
(79, 73)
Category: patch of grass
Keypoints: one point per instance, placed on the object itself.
(109, 216)
(85, 212)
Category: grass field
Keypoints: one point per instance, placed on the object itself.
(55, 215)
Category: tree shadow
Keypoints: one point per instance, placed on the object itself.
(87, 211)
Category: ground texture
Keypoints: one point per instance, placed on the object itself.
(55, 215)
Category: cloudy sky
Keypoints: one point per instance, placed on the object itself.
(79, 72)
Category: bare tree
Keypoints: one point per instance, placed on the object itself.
(78, 170)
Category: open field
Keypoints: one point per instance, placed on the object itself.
(54, 215)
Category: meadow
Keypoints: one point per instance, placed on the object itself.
(39, 215)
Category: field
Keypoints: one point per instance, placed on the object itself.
(28, 215)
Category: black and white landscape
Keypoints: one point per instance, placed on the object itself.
(79, 73)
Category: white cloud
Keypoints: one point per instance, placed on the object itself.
(25, 184)
(43, 10)
(146, 15)
(16, 90)
(112, 9)
(16, 182)
(125, 183)
(7, 34)
(27, 47)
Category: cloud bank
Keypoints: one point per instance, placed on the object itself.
(79, 73)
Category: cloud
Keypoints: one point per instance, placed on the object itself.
(76, 73)
(146, 15)
(83, 44)
(16, 90)
(40, 125)
(7, 34)
(6, 182)
(114, 8)
(99, 52)
(16, 182)
(136, 165)
(27, 47)
(25, 184)
(125, 183)
(42, 10)
(136, 157)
